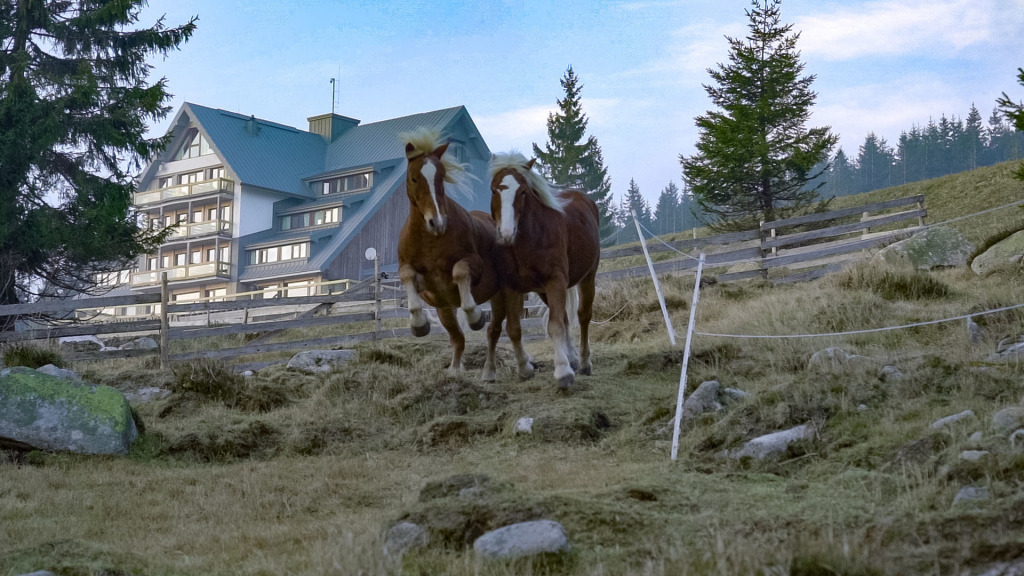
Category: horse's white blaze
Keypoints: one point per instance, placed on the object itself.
(429, 172)
(507, 226)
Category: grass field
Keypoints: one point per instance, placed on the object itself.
(288, 473)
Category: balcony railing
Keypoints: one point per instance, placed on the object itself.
(201, 229)
(187, 272)
(194, 189)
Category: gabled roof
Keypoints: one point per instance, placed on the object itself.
(371, 143)
(261, 153)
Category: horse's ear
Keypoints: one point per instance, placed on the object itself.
(440, 150)
(410, 151)
(529, 165)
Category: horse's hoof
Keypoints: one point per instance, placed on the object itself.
(419, 331)
(526, 373)
(565, 382)
(487, 376)
(479, 323)
(585, 370)
(574, 364)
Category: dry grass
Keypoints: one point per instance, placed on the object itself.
(308, 483)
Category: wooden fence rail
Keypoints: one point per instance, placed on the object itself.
(802, 254)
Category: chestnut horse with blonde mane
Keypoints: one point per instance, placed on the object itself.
(554, 245)
(446, 255)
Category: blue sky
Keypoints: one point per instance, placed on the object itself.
(881, 65)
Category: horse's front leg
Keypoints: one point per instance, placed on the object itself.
(586, 312)
(488, 374)
(462, 275)
(557, 331)
(458, 341)
(418, 321)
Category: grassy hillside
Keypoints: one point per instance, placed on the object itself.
(287, 473)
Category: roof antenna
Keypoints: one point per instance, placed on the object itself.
(332, 96)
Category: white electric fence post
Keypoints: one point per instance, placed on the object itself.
(686, 358)
(654, 277)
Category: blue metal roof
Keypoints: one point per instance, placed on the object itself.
(261, 153)
(370, 143)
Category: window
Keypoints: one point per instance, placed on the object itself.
(166, 261)
(151, 263)
(216, 173)
(165, 182)
(168, 220)
(348, 183)
(211, 214)
(179, 259)
(211, 254)
(225, 213)
(197, 216)
(225, 254)
(197, 257)
(287, 252)
(192, 177)
(182, 218)
(321, 217)
(195, 145)
(296, 289)
(217, 294)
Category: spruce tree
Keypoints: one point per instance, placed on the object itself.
(634, 203)
(74, 107)
(666, 211)
(573, 160)
(1014, 112)
(754, 155)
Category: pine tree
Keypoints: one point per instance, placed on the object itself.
(842, 179)
(74, 103)
(1014, 112)
(571, 159)
(970, 144)
(874, 164)
(666, 211)
(754, 155)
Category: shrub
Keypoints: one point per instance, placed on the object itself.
(215, 381)
(19, 354)
(892, 284)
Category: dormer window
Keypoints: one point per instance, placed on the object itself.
(349, 183)
(195, 145)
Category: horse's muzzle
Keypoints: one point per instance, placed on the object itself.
(437, 225)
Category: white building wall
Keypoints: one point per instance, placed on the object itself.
(254, 211)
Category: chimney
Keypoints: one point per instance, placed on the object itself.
(252, 126)
(330, 126)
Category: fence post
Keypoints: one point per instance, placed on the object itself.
(654, 277)
(686, 358)
(376, 298)
(164, 323)
(764, 253)
(920, 206)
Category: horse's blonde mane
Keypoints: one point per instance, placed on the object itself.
(516, 161)
(425, 140)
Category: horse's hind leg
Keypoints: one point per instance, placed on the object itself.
(463, 277)
(493, 334)
(514, 308)
(418, 321)
(586, 313)
(572, 304)
(458, 341)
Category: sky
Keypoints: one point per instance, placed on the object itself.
(881, 66)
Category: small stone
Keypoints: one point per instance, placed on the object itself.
(405, 536)
(734, 395)
(973, 331)
(973, 455)
(703, 400)
(889, 373)
(148, 394)
(862, 408)
(834, 360)
(942, 422)
(976, 438)
(320, 361)
(524, 426)
(523, 539)
(248, 374)
(971, 494)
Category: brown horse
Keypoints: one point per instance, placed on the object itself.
(446, 255)
(554, 245)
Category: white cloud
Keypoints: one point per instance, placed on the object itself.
(891, 27)
(522, 127)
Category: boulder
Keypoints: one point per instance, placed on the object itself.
(773, 444)
(1007, 420)
(144, 343)
(320, 361)
(889, 374)
(704, 399)
(960, 416)
(937, 247)
(523, 539)
(405, 536)
(59, 372)
(1010, 348)
(43, 412)
(1010, 250)
(81, 343)
(838, 361)
(969, 494)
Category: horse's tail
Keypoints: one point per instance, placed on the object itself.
(572, 307)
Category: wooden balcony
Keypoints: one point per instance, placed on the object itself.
(216, 185)
(187, 272)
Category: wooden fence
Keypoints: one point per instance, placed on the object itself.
(787, 250)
